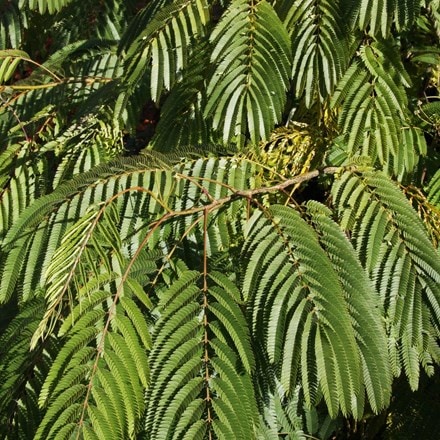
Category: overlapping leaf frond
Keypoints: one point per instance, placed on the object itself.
(83, 146)
(84, 266)
(434, 9)
(65, 81)
(251, 57)
(159, 46)
(304, 303)
(378, 16)
(137, 186)
(96, 383)
(22, 373)
(294, 290)
(182, 124)
(201, 362)
(282, 417)
(25, 170)
(321, 46)
(393, 246)
(374, 114)
(23, 181)
(49, 218)
(427, 207)
(88, 20)
(364, 307)
(105, 18)
(288, 417)
(434, 189)
(430, 112)
(170, 295)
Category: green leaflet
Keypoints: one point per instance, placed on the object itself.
(244, 96)
(364, 307)
(163, 44)
(201, 337)
(379, 15)
(321, 46)
(290, 256)
(9, 60)
(11, 26)
(50, 6)
(393, 245)
(373, 115)
(103, 367)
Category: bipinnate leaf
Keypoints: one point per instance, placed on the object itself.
(251, 57)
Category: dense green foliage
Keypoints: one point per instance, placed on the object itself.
(219, 219)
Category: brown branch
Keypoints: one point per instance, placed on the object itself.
(289, 182)
(251, 193)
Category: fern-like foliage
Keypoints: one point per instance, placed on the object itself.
(394, 248)
(26, 183)
(373, 113)
(102, 362)
(25, 168)
(287, 287)
(158, 46)
(303, 303)
(102, 20)
(67, 80)
(320, 44)
(434, 190)
(246, 92)
(50, 6)
(302, 330)
(182, 124)
(11, 25)
(22, 373)
(378, 16)
(104, 315)
(434, 8)
(289, 418)
(202, 340)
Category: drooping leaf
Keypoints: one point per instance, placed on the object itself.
(251, 57)
(393, 246)
(298, 310)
